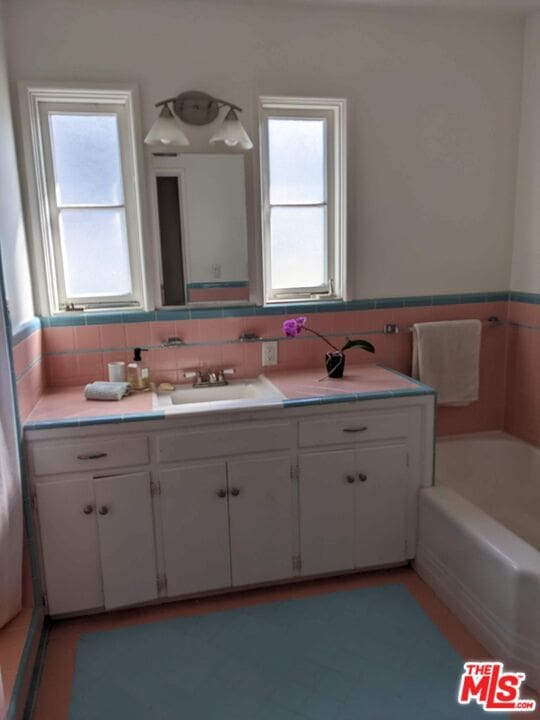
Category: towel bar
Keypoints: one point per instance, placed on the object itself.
(392, 329)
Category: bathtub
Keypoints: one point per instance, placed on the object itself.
(479, 543)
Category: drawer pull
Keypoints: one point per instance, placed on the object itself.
(235, 492)
(362, 477)
(88, 509)
(350, 479)
(103, 510)
(221, 493)
(361, 428)
(91, 456)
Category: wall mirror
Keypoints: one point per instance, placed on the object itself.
(201, 229)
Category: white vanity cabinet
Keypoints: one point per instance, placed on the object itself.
(227, 524)
(262, 520)
(97, 542)
(189, 504)
(355, 507)
(195, 522)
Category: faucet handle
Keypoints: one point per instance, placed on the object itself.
(194, 375)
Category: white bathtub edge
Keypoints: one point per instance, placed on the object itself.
(502, 642)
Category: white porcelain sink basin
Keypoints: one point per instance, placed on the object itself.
(238, 393)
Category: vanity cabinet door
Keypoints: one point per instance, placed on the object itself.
(70, 544)
(261, 519)
(126, 539)
(195, 528)
(382, 505)
(327, 511)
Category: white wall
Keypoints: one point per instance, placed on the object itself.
(526, 257)
(434, 103)
(12, 236)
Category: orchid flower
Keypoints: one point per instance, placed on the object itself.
(294, 326)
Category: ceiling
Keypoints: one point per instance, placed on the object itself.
(506, 5)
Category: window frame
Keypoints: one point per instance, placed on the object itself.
(333, 112)
(37, 101)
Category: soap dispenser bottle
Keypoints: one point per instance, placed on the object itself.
(138, 376)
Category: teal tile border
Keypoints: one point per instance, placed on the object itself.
(102, 318)
(425, 389)
(36, 671)
(217, 284)
(93, 420)
(25, 330)
(523, 297)
(37, 625)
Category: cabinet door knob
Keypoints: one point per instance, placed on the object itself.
(88, 509)
(221, 493)
(91, 456)
(235, 492)
(350, 479)
(103, 510)
(362, 477)
(360, 428)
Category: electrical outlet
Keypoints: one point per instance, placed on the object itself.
(269, 353)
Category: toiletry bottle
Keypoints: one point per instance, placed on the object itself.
(138, 376)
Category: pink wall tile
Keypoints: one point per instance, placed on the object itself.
(112, 336)
(233, 356)
(87, 337)
(29, 390)
(510, 381)
(138, 334)
(58, 339)
(522, 416)
(160, 332)
(219, 294)
(188, 330)
(91, 365)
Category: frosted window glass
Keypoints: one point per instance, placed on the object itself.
(86, 158)
(297, 162)
(298, 247)
(95, 252)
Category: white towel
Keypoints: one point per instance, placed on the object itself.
(101, 390)
(446, 356)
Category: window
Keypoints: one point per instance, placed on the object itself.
(303, 198)
(86, 215)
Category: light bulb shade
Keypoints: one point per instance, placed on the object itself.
(166, 130)
(232, 133)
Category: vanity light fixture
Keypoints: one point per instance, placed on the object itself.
(197, 108)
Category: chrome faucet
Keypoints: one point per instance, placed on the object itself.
(211, 378)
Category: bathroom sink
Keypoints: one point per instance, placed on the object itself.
(238, 393)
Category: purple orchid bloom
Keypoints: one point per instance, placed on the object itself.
(292, 328)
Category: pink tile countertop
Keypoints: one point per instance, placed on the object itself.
(67, 406)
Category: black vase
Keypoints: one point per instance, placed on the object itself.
(335, 364)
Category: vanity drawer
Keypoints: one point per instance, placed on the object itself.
(353, 428)
(51, 458)
(219, 441)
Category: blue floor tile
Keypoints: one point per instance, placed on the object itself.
(362, 654)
